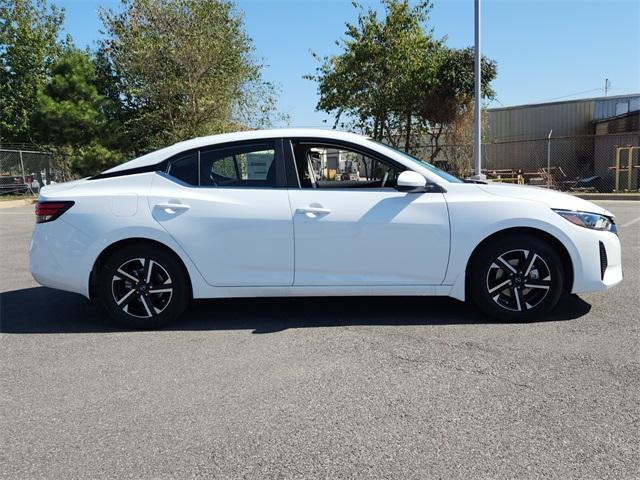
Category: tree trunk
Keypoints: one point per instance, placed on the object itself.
(407, 138)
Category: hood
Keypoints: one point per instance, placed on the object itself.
(552, 198)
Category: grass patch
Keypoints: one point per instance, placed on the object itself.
(6, 198)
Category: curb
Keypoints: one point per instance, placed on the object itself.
(608, 196)
(17, 203)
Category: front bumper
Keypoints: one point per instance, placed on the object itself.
(600, 262)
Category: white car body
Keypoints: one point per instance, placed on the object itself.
(254, 242)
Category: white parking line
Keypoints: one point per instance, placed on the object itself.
(628, 224)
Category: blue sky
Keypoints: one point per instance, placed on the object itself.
(545, 49)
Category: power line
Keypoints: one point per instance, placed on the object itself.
(571, 95)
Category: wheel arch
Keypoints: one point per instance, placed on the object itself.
(556, 244)
(109, 249)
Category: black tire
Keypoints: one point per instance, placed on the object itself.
(131, 300)
(516, 278)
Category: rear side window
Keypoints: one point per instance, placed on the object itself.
(240, 166)
(185, 169)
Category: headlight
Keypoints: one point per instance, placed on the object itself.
(593, 221)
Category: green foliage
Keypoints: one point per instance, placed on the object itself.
(28, 46)
(184, 69)
(69, 106)
(71, 114)
(94, 158)
(394, 81)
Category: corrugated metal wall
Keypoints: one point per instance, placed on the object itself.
(532, 122)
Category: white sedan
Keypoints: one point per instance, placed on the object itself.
(305, 212)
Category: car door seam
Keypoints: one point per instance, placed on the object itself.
(293, 229)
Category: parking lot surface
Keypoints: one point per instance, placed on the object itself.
(318, 388)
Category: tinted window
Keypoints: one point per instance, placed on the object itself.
(240, 166)
(185, 169)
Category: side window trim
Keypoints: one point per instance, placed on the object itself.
(279, 159)
(293, 179)
(339, 144)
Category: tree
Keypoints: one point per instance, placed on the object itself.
(28, 46)
(72, 116)
(394, 81)
(185, 69)
(447, 106)
(457, 154)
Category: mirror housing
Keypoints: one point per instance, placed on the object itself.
(410, 181)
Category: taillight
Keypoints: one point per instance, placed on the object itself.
(49, 211)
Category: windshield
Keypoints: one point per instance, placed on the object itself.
(441, 173)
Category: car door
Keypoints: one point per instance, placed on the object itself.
(227, 206)
(352, 227)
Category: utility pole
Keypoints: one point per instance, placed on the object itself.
(477, 144)
(607, 86)
(549, 159)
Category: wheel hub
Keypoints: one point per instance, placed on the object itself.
(142, 287)
(518, 280)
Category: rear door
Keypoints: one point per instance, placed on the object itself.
(353, 228)
(227, 206)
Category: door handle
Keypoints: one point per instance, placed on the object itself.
(313, 210)
(172, 207)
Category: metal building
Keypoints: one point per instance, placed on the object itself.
(576, 138)
(566, 118)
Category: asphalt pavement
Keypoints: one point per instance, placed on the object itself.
(318, 388)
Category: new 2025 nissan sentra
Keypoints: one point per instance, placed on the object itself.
(301, 212)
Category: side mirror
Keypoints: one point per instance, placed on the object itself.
(409, 181)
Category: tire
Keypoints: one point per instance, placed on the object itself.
(516, 278)
(138, 298)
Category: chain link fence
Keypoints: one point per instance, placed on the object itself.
(586, 163)
(24, 170)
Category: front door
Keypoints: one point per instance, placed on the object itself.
(228, 209)
(352, 227)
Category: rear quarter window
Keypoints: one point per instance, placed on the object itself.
(185, 169)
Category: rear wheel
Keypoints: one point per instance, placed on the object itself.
(517, 277)
(143, 286)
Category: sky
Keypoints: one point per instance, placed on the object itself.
(545, 50)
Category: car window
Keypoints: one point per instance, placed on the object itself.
(185, 168)
(242, 166)
(327, 166)
(441, 173)
(238, 166)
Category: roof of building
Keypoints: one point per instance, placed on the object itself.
(579, 100)
(618, 117)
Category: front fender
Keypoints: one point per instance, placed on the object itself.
(470, 227)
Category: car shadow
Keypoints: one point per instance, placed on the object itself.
(44, 310)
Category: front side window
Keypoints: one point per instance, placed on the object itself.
(327, 166)
(441, 173)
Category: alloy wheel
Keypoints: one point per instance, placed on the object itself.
(518, 280)
(141, 287)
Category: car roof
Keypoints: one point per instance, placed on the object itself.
(158, 156)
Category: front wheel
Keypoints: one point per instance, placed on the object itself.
(515, 278)
(142, 286)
